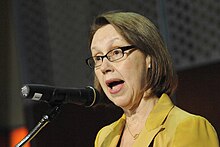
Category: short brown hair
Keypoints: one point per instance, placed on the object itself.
(141, 32)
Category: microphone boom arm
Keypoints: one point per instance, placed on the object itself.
(53, 112)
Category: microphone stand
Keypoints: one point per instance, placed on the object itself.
(52, 113)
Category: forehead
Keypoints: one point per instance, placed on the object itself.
(106, 36)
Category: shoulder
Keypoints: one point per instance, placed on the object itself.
(109, 131)
(196, 130)
(118, 124)
(184, 117)
(103, 133)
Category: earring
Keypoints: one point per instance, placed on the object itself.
(149, 65)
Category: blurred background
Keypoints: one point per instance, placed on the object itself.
(45, 42)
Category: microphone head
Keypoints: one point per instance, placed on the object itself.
(25, 90)
(37, 92)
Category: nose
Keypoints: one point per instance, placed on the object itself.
(106, 66)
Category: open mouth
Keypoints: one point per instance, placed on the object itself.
(112, 84)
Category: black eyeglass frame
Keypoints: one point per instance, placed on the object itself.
(123, 49)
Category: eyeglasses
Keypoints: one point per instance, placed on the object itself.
(112, 56)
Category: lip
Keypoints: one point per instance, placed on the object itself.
(107, 82)
(116, 88)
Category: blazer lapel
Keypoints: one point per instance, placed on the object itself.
(155, 121)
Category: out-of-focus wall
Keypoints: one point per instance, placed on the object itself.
(45, 42)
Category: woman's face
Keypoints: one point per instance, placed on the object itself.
(123, 81)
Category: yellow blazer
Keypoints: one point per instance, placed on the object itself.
(166, 126)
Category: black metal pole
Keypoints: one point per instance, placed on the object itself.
(43, 122)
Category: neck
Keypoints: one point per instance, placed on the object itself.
(136, 118)
(142, 111)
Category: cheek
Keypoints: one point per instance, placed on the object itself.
(100, 78)
(98, 75)
(135, 72)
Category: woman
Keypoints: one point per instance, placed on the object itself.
(134, 70)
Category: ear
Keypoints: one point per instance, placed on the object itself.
(148, 61)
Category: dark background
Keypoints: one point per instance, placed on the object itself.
(45, 42)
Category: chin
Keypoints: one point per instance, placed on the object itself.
(120, 102)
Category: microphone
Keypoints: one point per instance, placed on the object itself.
(87, 96)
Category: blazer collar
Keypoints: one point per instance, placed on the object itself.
(155, 121)
(159, 113)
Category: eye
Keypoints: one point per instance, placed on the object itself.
(97, 58)
(116, 52)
